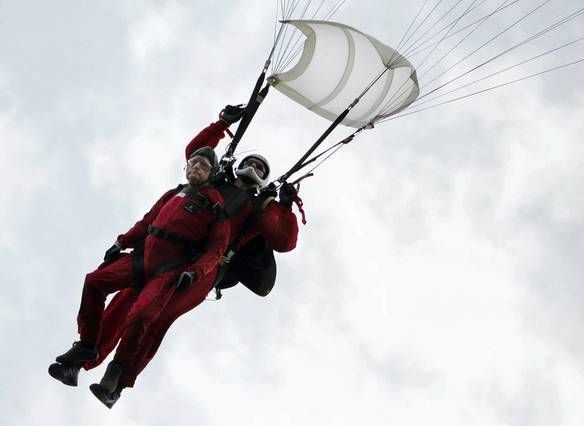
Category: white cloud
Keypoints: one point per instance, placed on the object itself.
(156, 29)
(437, 281)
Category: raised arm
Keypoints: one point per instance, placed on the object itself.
(209, 136)
(213, 133)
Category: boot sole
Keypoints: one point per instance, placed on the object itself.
(56, 372)
(103, 395)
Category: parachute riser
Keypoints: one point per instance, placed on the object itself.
(256, 98)
(299, 164)
(319, 141)
(253, 104)
(375, 80)
(282, 179)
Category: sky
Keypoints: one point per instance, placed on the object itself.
(438, 279)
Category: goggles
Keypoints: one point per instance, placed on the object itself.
(256, 164)
(203, 162)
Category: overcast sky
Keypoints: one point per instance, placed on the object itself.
(438, 280)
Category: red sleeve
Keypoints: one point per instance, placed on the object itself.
(209, 136)
(139, 231)
(278, 225)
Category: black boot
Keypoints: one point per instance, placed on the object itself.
(108, 399)
(78, 354)
(108, 390)
(66, 374)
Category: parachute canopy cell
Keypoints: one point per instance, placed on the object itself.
(337, 64)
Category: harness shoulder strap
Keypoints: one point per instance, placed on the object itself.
(202, 202)
(234, 198)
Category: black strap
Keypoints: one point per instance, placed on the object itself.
(138, 264)
(203, 202)
(170, 236)
(139, 271)
(234, 198)
(179, 261)
(316, 144)
(253, 104)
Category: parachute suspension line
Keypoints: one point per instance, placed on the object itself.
(287, 11)
(423, 22)
(421, 64)
(423, 100)
(334, 148)
(257, 96)
(504, 52)
(337, 146)
(277, 24)
(433, 66)
(375, 80)
(294, 48)
(276, 42)
(486, 90)
(443, 94)
(319, 141)
(405, 34)
(334, 10)
(496, 36)
(415, 50)
(405, 38)
(392, 101)
(284, 50)
(413, 45)
(401, 42)
(478, 25)
(300, 163)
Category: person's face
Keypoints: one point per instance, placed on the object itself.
(257, 165)
(198, 170)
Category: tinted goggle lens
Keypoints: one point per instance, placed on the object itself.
(201, 161)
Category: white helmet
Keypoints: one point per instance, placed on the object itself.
(248, 173)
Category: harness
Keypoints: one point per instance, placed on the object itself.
(199, 201)
(193, 249)
(260, 282)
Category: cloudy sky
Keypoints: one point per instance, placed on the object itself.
(438, 280)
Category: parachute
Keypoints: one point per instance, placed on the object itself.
(351, 78)
(336, 61)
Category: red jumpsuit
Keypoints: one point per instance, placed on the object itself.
(176, 214)
(276, 223)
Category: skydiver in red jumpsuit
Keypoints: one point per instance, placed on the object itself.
(177, 246)
(273, 223)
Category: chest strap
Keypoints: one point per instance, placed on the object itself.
(203, 202)
(171, 237)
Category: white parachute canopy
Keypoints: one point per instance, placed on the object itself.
(336, 66)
